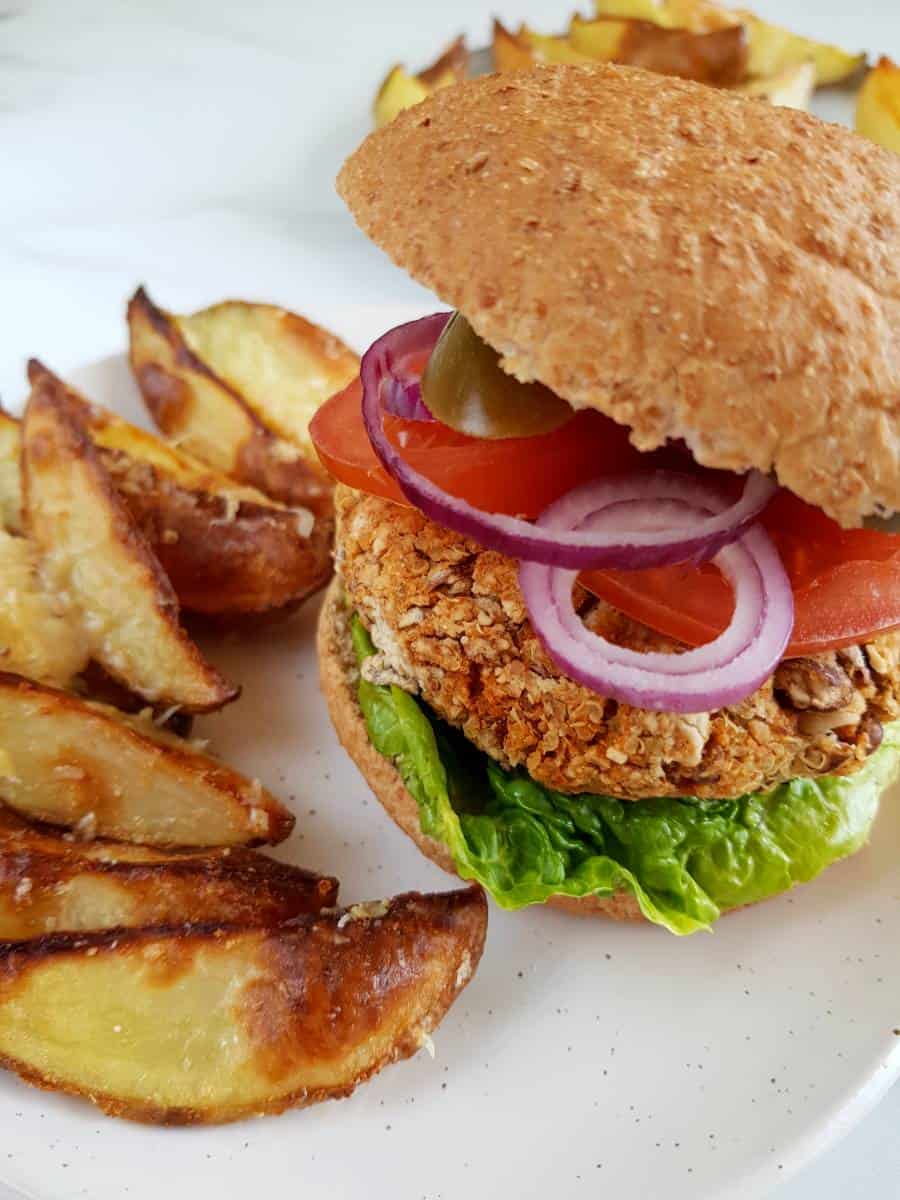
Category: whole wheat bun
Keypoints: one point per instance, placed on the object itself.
(694, 264)
(335, 679)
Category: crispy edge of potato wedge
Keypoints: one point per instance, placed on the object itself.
(94, 556)
(192, 405)
(94, 683)
(229, 551)
(52, 883)
(878, 105)
(10, 474)
(451, 66)
(81, 765)
(215, 1023)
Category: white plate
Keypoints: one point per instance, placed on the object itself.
(585, 1057)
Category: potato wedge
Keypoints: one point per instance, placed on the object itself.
(551, 48)
(698, 16)
(96, 684)
(38, 637)
(99, 565)
(772, 49)
(85, 766)
(793, 88)
(400, 89)
(236, 385)
(718, 58)
(451, 67)
(50, 883)
(209, 1024)
(397, 91)
(509, 50)
(878, 105)
(228, 550)
(10, 475)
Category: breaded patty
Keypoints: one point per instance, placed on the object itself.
(450, 625)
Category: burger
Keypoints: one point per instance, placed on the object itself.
(614, 624)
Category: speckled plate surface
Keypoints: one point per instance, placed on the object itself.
(585, 1057)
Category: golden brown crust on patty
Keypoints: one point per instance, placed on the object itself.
(449, 622)
(694, 264)
(337, 677)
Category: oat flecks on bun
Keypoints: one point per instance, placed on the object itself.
(694, 264)
(335, 678)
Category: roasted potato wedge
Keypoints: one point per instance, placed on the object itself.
(400, 89)
(228, 550)
(236, 385)
(95, 559)
(772, 49)
(509, 50)
(551, 48)
(38, 637)
(209, 1024)
(85, 766)
(451, 67)
(878, 105)
(50, 883)
(96, 684)
(793, 88)
(718, 58)
(698, 16)
(10, 475)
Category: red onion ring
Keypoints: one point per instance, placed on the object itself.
(698, 539)
(709, 677)
(403, 398)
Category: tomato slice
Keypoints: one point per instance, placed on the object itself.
(517, 476)
(846, 582)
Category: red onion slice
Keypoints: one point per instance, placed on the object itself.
(698, 537)
(701, 680)
(403, 398)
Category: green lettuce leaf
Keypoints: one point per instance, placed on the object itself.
(686, 861)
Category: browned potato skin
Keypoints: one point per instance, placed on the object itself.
(97, 736)
(718, 58)
(510, 51)
(54, 439)
(327, 992)
(250, 564)
(96, 684)
(164, 377)
(46, 881)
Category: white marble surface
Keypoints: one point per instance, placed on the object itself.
(193, 145)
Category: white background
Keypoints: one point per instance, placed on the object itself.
(193, 145)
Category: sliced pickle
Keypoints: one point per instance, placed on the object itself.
(465, 387)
